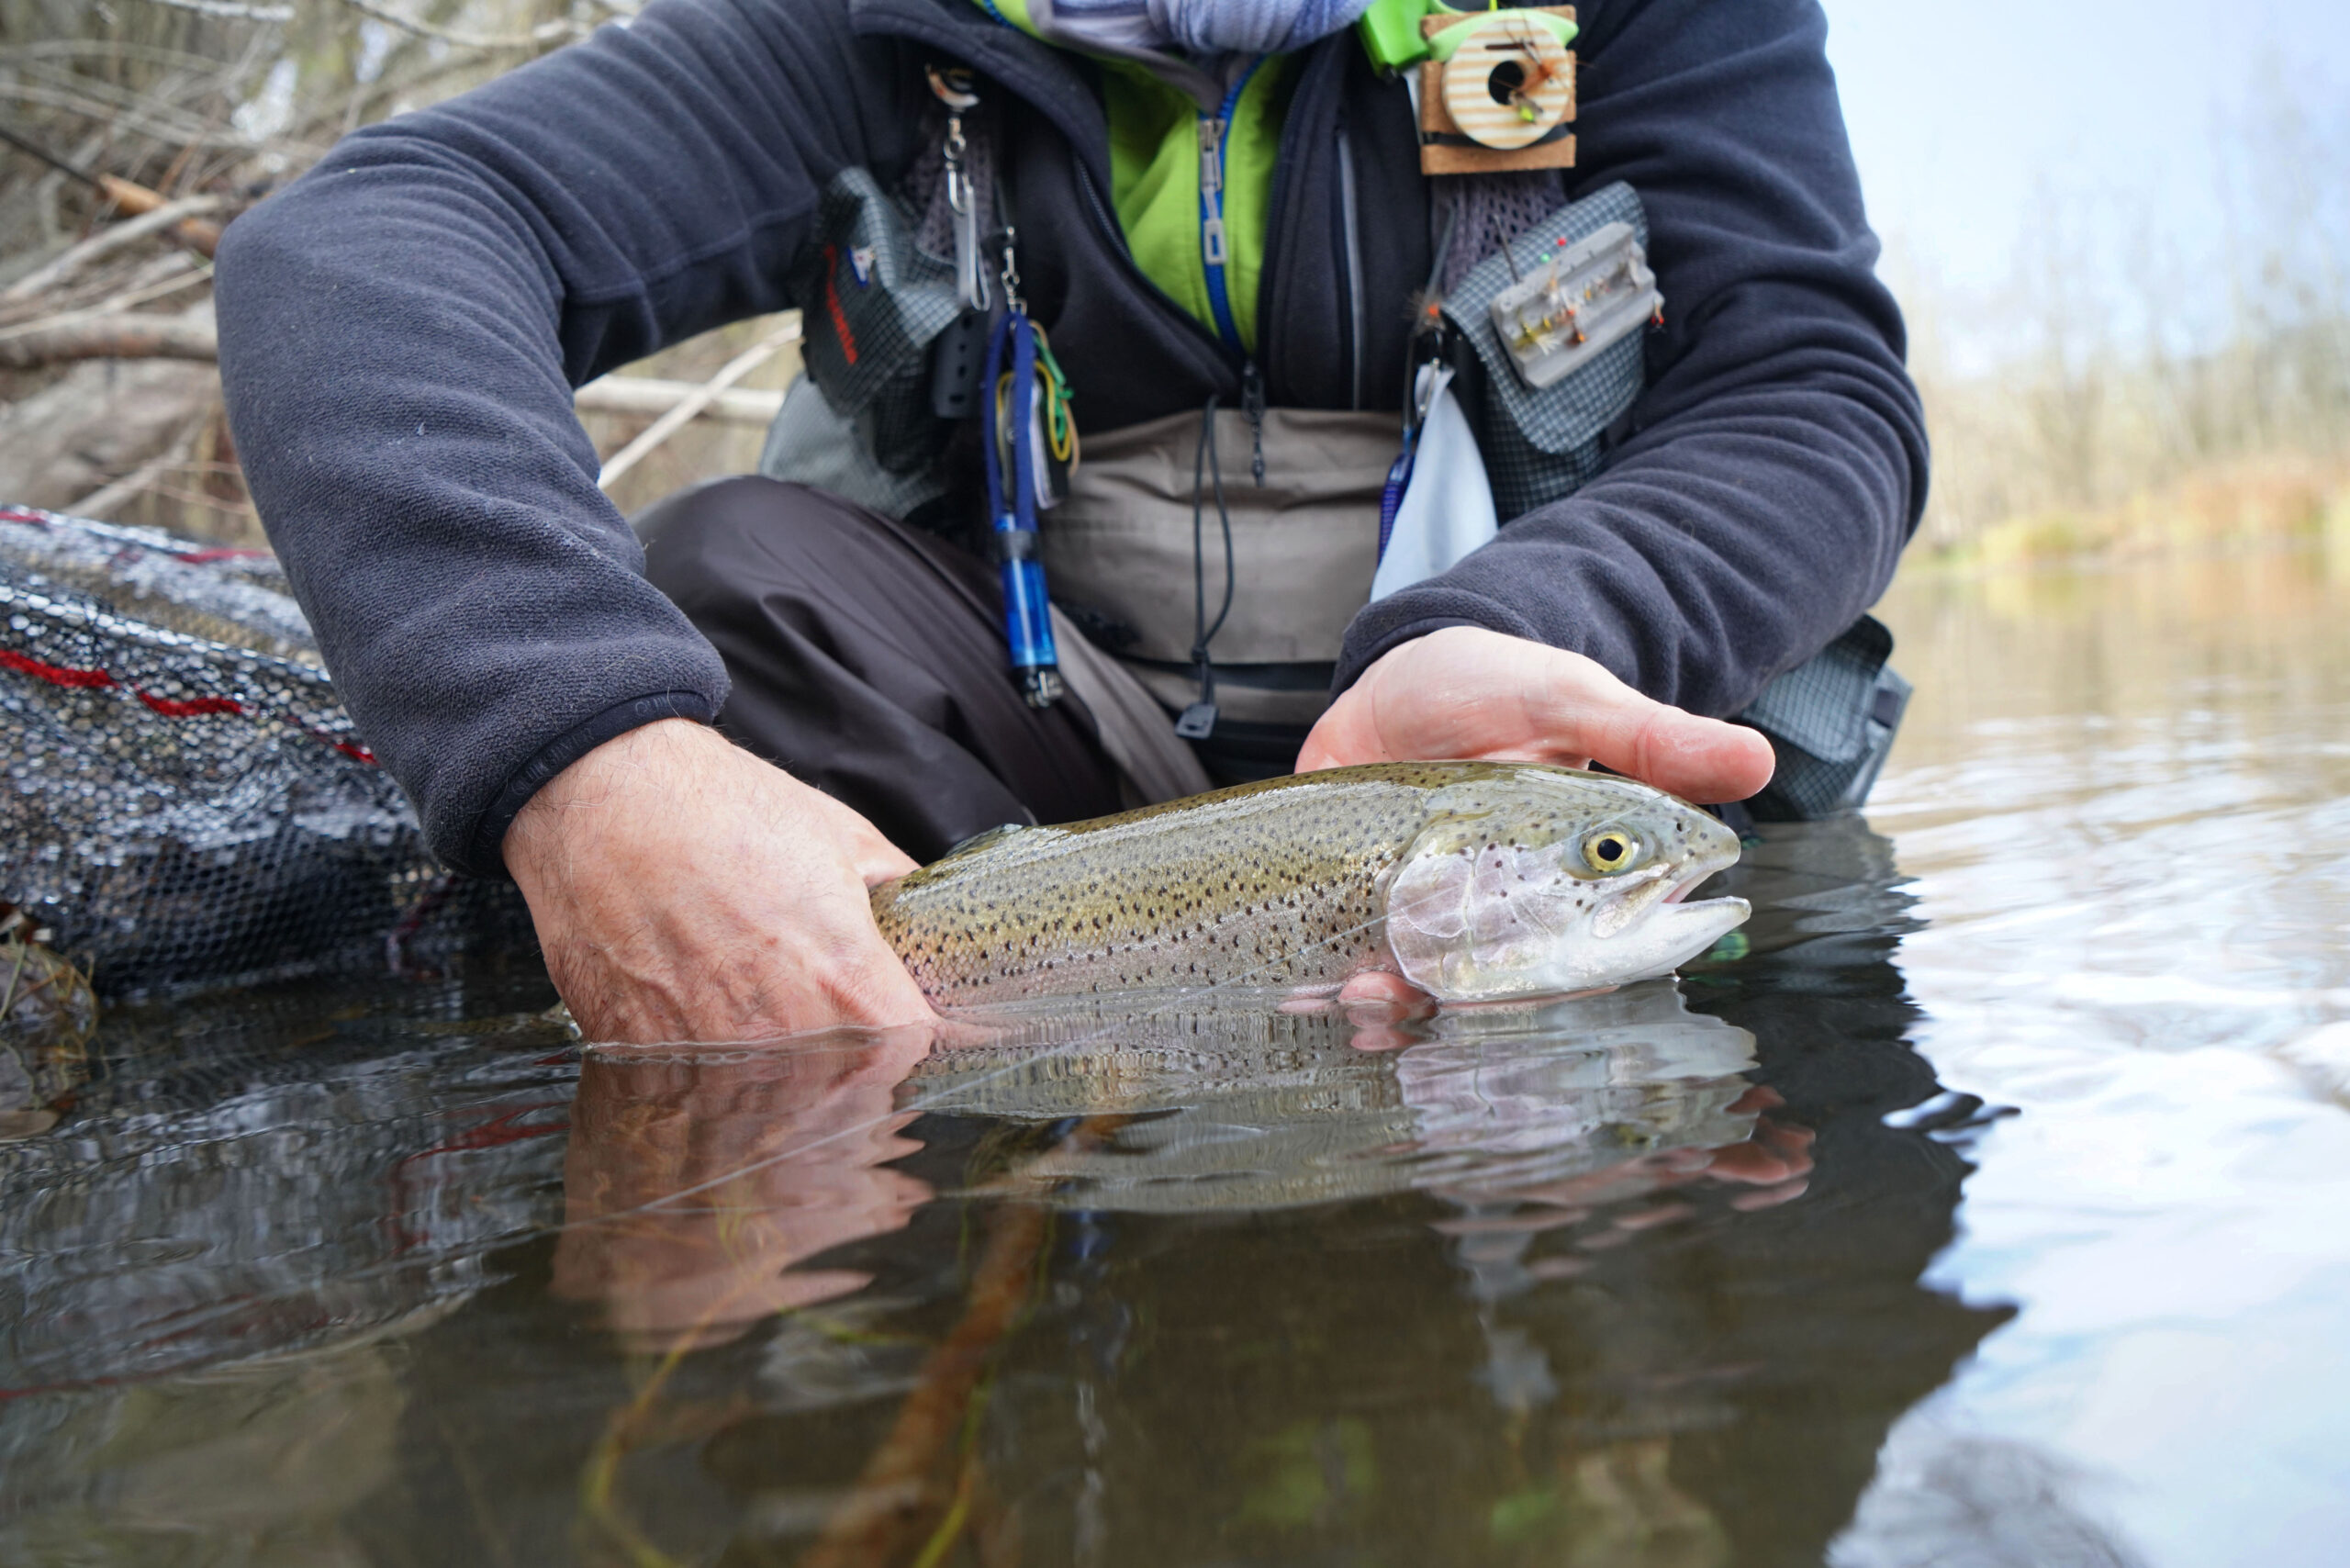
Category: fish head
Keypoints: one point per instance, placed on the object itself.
(1539, 880)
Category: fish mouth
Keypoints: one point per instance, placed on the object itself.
(1696, 877)
(1664, 906)
(1698, 923)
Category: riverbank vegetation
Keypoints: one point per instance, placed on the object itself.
(2139, 398)
(109, 403)
(2117, 398)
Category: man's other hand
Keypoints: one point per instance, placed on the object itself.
(1466, 692)
(684, 889)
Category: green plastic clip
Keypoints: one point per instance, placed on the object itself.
(1391, 32)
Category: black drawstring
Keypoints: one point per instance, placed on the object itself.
(1199, 719)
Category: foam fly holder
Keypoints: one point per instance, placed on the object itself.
(1497, 90)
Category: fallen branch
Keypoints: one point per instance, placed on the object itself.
(101, 502)
(104, 244)
(544, 33)
(114, 337)
(230, 10)
(668, 424)
(188, 275)
(98, 101)
(650, 398)
(81, 335)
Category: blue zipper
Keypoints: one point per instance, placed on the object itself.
(1213, 129)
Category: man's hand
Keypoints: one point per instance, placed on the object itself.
(683, 889)
(1466, 692)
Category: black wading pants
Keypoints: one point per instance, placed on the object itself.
(867, 659)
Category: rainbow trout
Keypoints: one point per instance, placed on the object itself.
(1474, 880)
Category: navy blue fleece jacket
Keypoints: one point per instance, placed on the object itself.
(401, 329)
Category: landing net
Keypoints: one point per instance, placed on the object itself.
(182, 798)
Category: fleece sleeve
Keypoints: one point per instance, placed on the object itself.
(1757, 497)
(400, 332)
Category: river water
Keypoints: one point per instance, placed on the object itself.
(1983, 1206)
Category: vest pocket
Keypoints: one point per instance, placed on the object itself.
(1542, 442)
(873, 302)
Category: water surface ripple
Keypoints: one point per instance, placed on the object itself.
(1979, 1211)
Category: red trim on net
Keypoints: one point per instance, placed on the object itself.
(170, 708)
(223, 553)
(56, 674)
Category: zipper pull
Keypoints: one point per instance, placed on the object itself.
(1211, 156)
(1252, 409)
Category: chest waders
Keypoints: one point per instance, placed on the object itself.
(1222, 598)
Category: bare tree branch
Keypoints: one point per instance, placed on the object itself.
(110, 239)
(230, 10)
(544, 33)
(117, 337)
(668, 424)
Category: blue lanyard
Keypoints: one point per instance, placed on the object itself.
(1027, 621)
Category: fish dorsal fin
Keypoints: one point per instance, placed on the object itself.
(982, 839)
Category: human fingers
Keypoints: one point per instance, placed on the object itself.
(1581, 708)
(1464, 692)
(683, 889)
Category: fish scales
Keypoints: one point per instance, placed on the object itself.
(1285, 884)
(1265, 884)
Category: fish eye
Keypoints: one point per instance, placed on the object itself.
(1611, 850)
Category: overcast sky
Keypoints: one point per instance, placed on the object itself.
(1969, 119)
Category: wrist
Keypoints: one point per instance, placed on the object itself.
(485, 854)
(633, 777)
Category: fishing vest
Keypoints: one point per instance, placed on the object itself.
(1135, 552)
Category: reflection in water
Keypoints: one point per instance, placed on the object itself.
(1628, 1281)
(2126, 798)
(206, 1274)
(697, 1181)
(1675, 1277)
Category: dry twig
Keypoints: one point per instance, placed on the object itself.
(544, 33)
(668, 424)
(112, 336)
(649, 397)
(112, 239)
(99, 503)
(230, 10)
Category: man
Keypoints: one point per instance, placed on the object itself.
(401, 329)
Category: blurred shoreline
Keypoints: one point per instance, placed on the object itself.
(2142, 402)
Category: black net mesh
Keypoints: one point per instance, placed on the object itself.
(182, 798)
